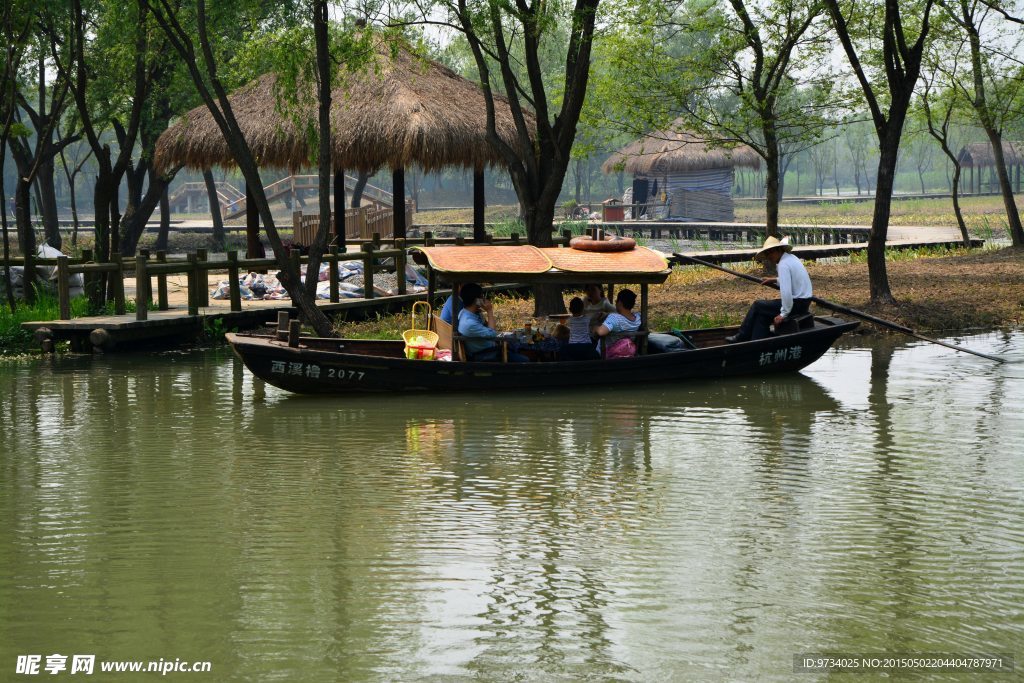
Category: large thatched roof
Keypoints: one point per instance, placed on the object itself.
(980, 154)
(675, 150)
(398, 110)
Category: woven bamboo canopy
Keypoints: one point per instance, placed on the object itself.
(398, 110)
(979, 154)
(676, 150)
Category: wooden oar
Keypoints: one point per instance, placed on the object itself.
(846, 309)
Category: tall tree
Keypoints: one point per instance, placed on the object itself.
(509, 42)
(996, 79)
(904, 29)
(938, 108)
(188, 29)
(15, 29)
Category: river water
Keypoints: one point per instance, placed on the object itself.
(169, 506)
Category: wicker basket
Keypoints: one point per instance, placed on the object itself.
(426, 348)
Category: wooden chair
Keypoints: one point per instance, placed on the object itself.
(446, 335)
(444, 332)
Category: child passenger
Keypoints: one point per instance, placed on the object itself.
(580, 346)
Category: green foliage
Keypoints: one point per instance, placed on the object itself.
(214, 330)
(14, 339)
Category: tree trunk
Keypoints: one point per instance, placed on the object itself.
(163, 237)
(214, 200)
(48, 202)
(357, 190)
(133, 226)
(955, 193)
(3, 222)
(771, 189)
(1013, 222)
(26, 235)
(877, 272)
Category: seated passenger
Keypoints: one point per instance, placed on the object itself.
(623, 320)
(477, 323)
(446, 310)
(596, 305)
(580, 346)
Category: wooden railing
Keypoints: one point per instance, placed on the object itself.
(360, 224)
(197, 265)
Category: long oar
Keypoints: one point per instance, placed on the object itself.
(845, 309)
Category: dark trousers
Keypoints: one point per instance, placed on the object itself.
(757, 324)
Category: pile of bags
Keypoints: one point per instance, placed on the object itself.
(255, 286)
(46, 276)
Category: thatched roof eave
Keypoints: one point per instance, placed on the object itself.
(399, 111)
(676, 150)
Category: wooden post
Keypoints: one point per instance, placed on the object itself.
(161, 283)
(428, 238)
(479, 203)
(141, 288)
(400, 266)
(203, 277)
(118, 284)
(515, 238)
(149, 283)
(294, 332)
(193, 285)
(398, 203)
(339, 209)
(431, 285)
(282, 325)
(332, 274)
(63, 288)
(375, 238)
(460, 241)
(367, 249)
(642, 348)
(234, 290)
(252, 226)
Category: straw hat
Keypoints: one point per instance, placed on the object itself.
(773, 243)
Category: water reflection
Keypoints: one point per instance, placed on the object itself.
(173, 505)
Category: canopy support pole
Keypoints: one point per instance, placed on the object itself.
(339, 209)
(398, 200)
(254, 249)
(479, 202)
(642, 347)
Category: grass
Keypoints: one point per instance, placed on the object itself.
(16, 341)
(981, 214)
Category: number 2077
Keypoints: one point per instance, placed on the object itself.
(334, 373)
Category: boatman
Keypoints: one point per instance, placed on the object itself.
(794, 285)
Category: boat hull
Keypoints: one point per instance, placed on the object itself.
(345, 366)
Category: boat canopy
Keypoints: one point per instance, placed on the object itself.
(555, 265)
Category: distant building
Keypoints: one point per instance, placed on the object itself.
(978, 155)
(679, 176)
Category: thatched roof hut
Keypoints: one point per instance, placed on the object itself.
(398, 110)
(677, 151)
(680, 176)
(979, 154)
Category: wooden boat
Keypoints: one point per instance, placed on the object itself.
(330, 365)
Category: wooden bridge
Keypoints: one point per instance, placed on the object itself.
(293, 190)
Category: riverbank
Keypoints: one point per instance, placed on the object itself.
(951, 290)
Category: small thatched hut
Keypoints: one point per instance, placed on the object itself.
(978, 155)
(679, 176)
(398, 109)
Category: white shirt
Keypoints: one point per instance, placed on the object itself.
(794, 282)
